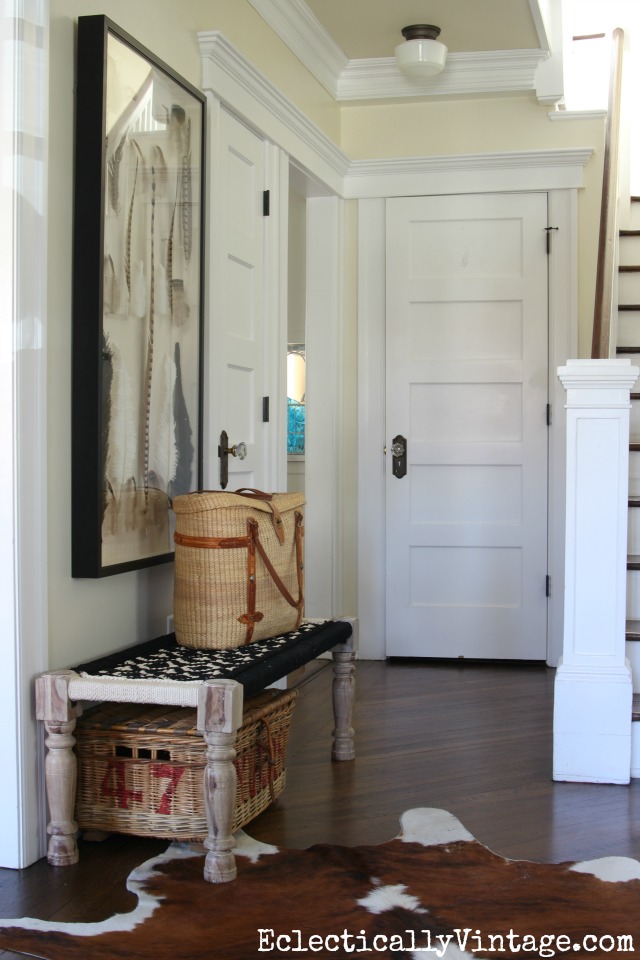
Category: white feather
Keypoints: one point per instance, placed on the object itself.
(163, 454)
(122, 441)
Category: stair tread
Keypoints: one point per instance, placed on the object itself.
(629, 233)
(634, 502)
(629, 306)
(634, 446)
(633, 561)
(633, 630)
(635, 707)
(627, 268)
(627, 349)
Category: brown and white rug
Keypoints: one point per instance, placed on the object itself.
(432, 892)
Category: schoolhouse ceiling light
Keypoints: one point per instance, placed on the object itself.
(421, 55)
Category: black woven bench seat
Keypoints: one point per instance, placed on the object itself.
(255, 666)
(217, 682)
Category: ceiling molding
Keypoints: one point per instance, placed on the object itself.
(233, 79)
(229, 77)
(300, 29)
(561, 115)
(542, 18)
(468, 173)
(477, 74)
(486, 73)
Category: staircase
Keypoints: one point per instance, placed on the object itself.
(628, 345)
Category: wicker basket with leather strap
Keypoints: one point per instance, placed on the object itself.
(238, 567)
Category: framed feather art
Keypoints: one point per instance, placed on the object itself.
(137, 301)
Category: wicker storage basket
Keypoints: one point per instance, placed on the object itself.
(238, 567)
(140, 770)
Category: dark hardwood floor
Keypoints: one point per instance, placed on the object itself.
(474, 739)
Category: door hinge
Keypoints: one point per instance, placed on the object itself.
(548, 586)
(549, 415)
(266, 200)
(548, 232)
(265, 409)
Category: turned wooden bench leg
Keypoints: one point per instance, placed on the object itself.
(59, 714)
(219, 718)
(344, 690)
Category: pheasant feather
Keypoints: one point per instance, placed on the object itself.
(186, 203)
(161, 171)
(169, 261)
(127, 251)
(121, 440)
(148, 373)
(114, 175)
(162, 447)
(181, 481)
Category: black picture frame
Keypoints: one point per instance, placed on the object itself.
(138, 301)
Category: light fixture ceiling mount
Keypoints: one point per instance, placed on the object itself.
(422, 55)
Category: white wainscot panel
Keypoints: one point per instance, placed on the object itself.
(597, 448)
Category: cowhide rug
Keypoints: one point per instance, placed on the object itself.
(432, 892)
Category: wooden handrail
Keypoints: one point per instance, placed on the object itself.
(601, 345)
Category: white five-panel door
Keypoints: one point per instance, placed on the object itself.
(467, 384)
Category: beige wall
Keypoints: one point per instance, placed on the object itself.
(86, 617)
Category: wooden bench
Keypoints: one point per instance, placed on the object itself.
(219, 702)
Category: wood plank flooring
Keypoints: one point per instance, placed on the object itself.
(474, 739)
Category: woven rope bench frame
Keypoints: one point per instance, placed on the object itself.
(219, 715)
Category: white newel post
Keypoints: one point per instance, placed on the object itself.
(593, 688)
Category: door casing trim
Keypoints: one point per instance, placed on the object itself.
(563, 344)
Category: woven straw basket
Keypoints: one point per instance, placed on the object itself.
(238, 567)
(141, 771)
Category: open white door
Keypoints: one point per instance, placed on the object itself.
(239, 315)
(467, 359)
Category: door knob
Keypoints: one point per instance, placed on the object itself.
(238, 450)
(399, 454)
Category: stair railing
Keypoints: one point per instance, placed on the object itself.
(603, 344)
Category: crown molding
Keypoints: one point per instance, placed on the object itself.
(475, 74)
(468, 173)
(298, 27)
(561, 115)
(233, 79)
(486, 73)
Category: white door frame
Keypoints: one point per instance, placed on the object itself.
(24, 32)
(230, 80)
(563, 343)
